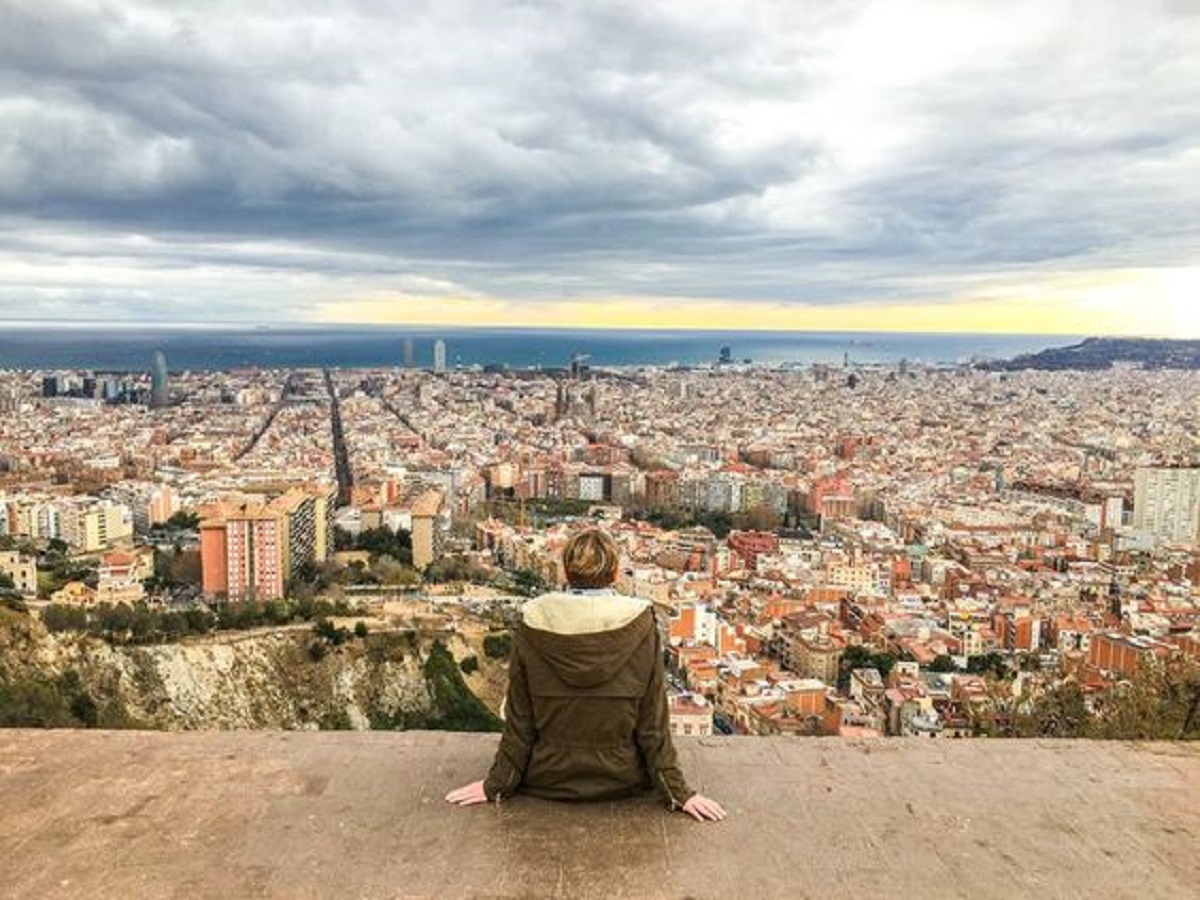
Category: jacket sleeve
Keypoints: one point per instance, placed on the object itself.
(654, 736)
(517, 740)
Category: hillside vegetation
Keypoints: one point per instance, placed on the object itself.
(289, 678)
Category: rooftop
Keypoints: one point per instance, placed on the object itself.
(341, 814)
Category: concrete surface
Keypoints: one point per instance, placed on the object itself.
(291, 815)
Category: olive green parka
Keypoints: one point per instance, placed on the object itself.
(586, 713)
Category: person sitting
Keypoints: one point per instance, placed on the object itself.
(586, 713)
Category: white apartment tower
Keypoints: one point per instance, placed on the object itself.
(1166, 504)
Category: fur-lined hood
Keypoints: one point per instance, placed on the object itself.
(582, 612)
(588, 637)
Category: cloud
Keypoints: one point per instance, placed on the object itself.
(265, 161)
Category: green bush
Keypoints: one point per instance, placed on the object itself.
(455, 708)
(455, 568)
(497, 646)
(62, 702)
(35, 703)
(330, 633)
(16, 604)
(335, 720)
(142, 624)
(469, 664)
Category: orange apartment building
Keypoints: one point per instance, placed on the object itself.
(1021, 632)
(1124, 653)
(242, 554)
(249, 548)
(426, 535)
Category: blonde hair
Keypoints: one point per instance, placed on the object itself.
(591, 558)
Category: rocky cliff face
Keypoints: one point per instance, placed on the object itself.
(265, 679)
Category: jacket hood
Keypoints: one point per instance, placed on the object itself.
(587, 638)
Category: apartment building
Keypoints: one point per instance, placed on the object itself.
(1166, 504)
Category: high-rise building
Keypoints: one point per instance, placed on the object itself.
(249, 549)
(91, 526)
(1166, 504)
(159, 388)
(408, 353)
(242, 553)
(439, 355)
(426, 533)
(150, 503)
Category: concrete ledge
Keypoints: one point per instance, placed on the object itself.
(336, 814)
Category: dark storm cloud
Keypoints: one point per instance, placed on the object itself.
(786, 151)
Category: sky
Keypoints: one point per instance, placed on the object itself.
(948, 165)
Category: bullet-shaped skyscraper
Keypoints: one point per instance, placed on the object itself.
(159, 389)
(439, 355)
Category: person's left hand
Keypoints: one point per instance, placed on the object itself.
(467, 795)
(704, 809)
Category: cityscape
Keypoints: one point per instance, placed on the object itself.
(908, 550)
(774, 423)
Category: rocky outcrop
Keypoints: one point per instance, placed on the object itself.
(267, 679)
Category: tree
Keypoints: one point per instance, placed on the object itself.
(383, 542)
(862, 657)
(113, 621)
(497, 646)
(184, 520)
(34, 704)
(330, 633)
(942, 663)
(1161, 701)
(357, 573)
(454, 568)
(884, 662)
(761, 518)
(988, 662)
(529, 582)
(6, 582)
(199, 620)
(61, 702)
(1060, 711)
(184, 568)
(391, 571)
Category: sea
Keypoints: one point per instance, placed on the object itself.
(115, 348)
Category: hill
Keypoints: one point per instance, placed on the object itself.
(278, 678)
(1102, 353)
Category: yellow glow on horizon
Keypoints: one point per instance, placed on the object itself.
(1163, 302)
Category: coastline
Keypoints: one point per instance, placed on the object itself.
(216, 348)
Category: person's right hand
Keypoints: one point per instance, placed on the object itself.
(702, 809)
(467, 795)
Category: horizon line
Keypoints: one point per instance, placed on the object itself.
(139, 325)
